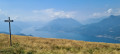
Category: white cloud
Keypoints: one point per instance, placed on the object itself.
(109, 11)
(106, 13)
(96, 14)
(103, 14)
(55, 13)
(49, 14)
(44, 15)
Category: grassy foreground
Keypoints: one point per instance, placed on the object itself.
(35, 45)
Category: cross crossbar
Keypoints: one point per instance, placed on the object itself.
(8, 20)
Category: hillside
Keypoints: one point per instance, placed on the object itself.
(35, 45)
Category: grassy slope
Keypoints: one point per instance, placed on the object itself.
(35, 45)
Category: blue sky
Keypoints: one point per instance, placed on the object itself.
(42, 10)
(58, 4)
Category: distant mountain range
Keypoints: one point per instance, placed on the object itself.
(108, 28)
(104, 30)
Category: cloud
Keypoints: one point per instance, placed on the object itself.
(109, 11)
(102, 14)
(46, 15)
(106, 13)
(43, 15)
(49, 14)
(55, 13)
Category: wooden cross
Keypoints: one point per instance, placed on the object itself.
(9, 29)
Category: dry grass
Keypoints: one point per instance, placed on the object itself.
(35, 45)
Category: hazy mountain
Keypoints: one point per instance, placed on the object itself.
(71, 29)
(61, 25)
(107, 28)
(58, 28)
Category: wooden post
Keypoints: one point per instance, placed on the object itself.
(9, 29)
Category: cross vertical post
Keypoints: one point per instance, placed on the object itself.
(9, 29)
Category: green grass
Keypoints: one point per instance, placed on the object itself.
(36, 45)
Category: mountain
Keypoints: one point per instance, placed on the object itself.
(37, 45)
(57, 28)
(107, 28)
(61, 25)
(68, 28)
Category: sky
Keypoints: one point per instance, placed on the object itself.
(46, 10)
